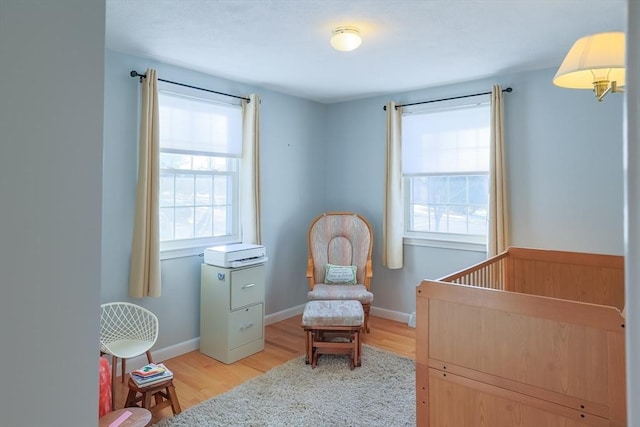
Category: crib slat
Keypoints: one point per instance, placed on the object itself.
(487, 274)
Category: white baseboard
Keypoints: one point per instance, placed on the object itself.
(390, 314)
(284, 314)
(161, 354)
(176, 350)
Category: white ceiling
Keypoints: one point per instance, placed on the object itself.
(283, 45)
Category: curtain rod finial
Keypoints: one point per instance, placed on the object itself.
(134, 73)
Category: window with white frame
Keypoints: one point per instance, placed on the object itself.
(445, 165)
(200, 150)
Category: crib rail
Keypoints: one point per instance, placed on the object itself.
(487, 274)
(574, 276)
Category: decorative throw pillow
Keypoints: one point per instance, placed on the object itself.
(340, 274)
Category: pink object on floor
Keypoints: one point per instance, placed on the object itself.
(120, 419)
(104, 397)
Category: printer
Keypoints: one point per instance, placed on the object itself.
(235, 256)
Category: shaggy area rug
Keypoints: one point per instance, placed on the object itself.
(379, 393)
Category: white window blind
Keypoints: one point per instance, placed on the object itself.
(199, 126)
(451, 141)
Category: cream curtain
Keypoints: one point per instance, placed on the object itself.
(499, 237)
(250, 171)
(144, 274)
(393, 215)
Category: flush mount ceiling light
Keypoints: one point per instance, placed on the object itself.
(346, 38)
(594, 62)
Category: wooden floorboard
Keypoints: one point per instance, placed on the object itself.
(198, 377)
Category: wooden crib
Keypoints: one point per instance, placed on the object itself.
(527, 338)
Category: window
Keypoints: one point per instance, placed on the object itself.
(445, 165)
(200, 150)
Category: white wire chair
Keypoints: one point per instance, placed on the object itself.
(126, 330)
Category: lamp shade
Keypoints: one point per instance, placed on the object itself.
(346, 38)
(595, 58)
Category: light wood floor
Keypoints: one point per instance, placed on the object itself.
(198, 377)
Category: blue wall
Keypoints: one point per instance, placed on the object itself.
(564, 153)
(292, 169)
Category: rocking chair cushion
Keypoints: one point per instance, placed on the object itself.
(323, 291)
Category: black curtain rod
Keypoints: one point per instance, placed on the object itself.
(447, 99)
(134, 73)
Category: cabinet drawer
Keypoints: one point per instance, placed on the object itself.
(247, 287)
(245, 325)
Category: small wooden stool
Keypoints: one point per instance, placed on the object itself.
(164, 394)
(333, 327)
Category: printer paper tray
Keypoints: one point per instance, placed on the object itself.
(248, 261)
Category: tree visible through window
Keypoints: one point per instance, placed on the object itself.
(200, 147)
(446, 169)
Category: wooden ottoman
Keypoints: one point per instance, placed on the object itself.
(333, 327)
(164, 394)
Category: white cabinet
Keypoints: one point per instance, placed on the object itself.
(231, 312)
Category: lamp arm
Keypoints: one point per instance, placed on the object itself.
(613, 88)
(603, 94)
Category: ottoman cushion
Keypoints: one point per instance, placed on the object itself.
(333, 313)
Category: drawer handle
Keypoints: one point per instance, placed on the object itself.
(249, 285)
(246, 326)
